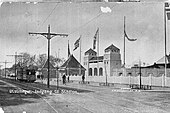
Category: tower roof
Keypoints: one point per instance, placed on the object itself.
(90, 52)
(112, 48)
(72, 63)
(46, 65)
(162, 60)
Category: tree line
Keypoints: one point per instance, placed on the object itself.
(37, 60)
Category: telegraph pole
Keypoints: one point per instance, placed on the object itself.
(49, 36)
(140, 75)
(0, 70)
(5, 66)
(15, 60)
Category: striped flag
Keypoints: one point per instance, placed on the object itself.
(128, 37)
(76, 44)
(95, 39)
(167, 10)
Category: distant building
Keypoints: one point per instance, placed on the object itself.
(72, 67)
(101, 65)
(108, 69)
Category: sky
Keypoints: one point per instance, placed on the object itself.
(144, 21)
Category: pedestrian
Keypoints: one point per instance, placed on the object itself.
(83, 77)
(42, 77)
(64, 79)
(68, 79)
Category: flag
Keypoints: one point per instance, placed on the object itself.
(95, 39)
(128, 37)
(68, 49)
(167, 9)
(166, 4)
(76, 44)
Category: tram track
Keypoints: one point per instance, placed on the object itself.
(21, 85)
(101, 97)
(33, 86)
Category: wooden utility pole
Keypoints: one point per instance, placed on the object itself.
(15, 61)
(5, 66)
(140, 75)
(49, 36)
(0, 70)
(165, 14)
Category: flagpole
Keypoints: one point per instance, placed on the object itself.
(124, 45)
(98, 51)
(68, 49)
(80, 57)
(165, 44)
(68, 58)
(124, 50)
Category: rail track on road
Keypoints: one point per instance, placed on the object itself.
(27, 87)
(100, 97)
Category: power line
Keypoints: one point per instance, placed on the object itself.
(50, 14)
(5, 66)
(98, 15)
(15, 60)
(49, 36)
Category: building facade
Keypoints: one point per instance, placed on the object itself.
(99, 66)
(108, 69)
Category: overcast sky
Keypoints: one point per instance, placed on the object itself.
(144, 21)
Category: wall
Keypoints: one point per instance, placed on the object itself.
(45, 73)
(154, 77)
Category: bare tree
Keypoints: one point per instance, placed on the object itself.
(26, 59)
(54, 60)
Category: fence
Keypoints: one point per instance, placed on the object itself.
(151, 77)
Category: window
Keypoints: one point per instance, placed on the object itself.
(129, 74)
(90, 71)
(120, 74)
(100, 71)
(95, 71)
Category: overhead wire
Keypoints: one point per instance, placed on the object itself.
(74, 31)
(98, 15)
(26, 41)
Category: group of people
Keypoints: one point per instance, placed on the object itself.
(68, 79)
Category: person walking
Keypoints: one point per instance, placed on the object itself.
(64, 79)
(83, 77)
